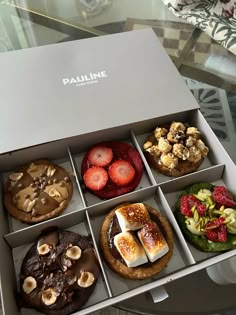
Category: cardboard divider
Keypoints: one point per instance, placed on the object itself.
(99, 257)
(180, 241)
(76, 173)
(118, 284)
(147, 167)
(30, 233)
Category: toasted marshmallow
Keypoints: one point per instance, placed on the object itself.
(153, 241)
(130, 249)
(132, 217)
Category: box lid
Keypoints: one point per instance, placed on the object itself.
(66, 89)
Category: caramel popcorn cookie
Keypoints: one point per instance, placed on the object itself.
(37, 191)
(176, 149)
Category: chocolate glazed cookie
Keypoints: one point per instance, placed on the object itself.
(58, 273)
(37, 191)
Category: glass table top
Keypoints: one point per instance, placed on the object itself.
(208, 69)
(29, 23)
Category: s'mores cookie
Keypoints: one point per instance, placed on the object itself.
(136, 245)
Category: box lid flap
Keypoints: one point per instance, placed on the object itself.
(66, 89)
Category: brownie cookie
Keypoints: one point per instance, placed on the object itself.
(111, 169)
(58, 273)
(37, 191)
(136, 241)
(176, 149)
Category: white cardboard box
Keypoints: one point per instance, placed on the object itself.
(59, 100)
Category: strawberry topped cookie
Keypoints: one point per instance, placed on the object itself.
(111, 169)
(207, 217)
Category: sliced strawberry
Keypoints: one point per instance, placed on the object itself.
(121, 172)
(221, 196)
(216, 230)
(95, 178)
(186, 204)
(100, 156)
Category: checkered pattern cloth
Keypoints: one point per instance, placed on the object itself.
(216, 17)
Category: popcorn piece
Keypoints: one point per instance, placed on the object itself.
(164, 145)
(160, 132)
(190, 141)
(202, 147)
(132, 217)
(169, 160)
(176, 127)
(147, 145)
(154, 150)
(130, 249)
(180, 151)
(172, 137)
(194, 154)
(194, 132)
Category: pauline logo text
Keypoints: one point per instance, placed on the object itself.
(85, 79)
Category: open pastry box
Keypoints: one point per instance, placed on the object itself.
(128, 118)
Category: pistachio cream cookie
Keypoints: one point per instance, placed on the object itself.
(58, 273)
(136, 241)
(176, 149)
(37, 191)
(206, 214)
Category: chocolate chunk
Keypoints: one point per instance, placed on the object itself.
(27, 196)
(62, 184)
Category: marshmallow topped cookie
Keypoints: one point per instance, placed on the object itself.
(176, 149)
(58, 273)
(136, 248)
(38, 191)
